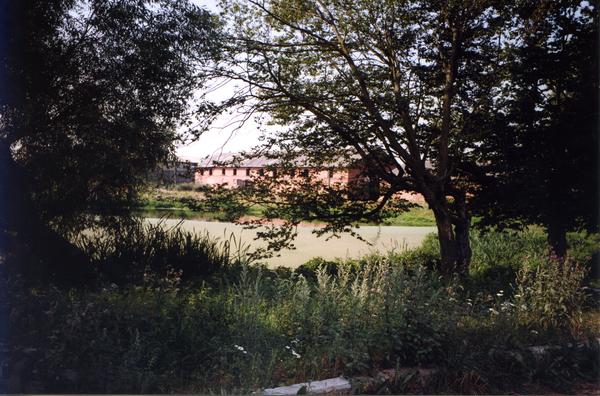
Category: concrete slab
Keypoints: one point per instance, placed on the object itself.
(312, 388)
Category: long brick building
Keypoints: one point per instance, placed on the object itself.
(208, 171)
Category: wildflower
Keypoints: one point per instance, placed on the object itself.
(469, 304)
(296, 354)
(518, 295)
(114, 286)
(452, 299)
(287, 347)
(499, 294)
(523, 308)
(492, 310)
(239, 347)
(534, 332)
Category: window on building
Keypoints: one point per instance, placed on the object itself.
(261, 172)
(274, 172)
(210, 172)
(201, 171)
(293, 172)
(223, 171)
(330, 173)
(234, 171)
(305, 173)
(248, 172)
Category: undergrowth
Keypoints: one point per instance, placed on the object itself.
(246, 328)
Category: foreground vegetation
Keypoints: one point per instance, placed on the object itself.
(175, 312)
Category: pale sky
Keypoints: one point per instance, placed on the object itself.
(227, 135)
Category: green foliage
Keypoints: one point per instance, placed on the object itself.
(126, 253)
(87, 143)
(498, 255)
(543, 154)
(549, 290)
(359, 86)
(428, 254)
(247, 327)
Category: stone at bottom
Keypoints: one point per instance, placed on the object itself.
(317, 387)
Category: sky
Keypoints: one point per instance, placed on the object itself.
(227, 135)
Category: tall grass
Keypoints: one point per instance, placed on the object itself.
(124, 254)
(247, 327)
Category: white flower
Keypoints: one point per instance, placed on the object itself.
(518, 295)
(492, 310)
(534, 332)
(287, 347)
(499, 294)
(523, 308)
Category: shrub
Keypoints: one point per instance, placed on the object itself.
(427, 255)
(548, 290)
(125, 253)
(497, 255)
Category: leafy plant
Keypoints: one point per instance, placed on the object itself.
(549, 290)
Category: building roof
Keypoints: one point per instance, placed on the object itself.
(209, 161)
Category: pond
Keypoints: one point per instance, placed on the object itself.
(309, 246)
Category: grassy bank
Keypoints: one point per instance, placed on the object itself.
(188, 314)
(173, 202)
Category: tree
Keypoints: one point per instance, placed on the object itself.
(546, 157)
(405, 86)
(92, 94)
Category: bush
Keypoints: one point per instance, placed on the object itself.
(124, 254)
(427, 255)
(498, 255)
(549, 290)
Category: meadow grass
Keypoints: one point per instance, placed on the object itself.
(239, 327)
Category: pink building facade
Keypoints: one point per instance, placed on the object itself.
(209, 173)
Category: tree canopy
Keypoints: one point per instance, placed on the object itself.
(425, 94)
(405, 86)
(543, 161)
(92, 95)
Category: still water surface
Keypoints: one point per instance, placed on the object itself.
(307, 244)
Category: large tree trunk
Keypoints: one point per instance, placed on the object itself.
(31, 247)
(453, 234)
(557, 236)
